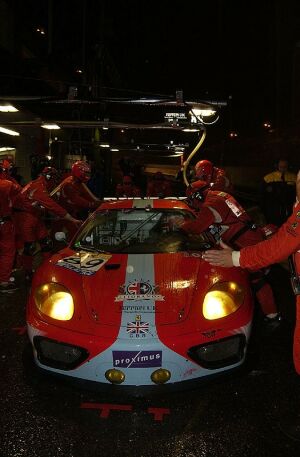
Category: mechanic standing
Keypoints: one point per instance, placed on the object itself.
(8, 192)
(284, 243)
(30, 227)
(74, 196)
(5, 171)
(223, 216)
(215, 177)
(159, 186)
(127, 188)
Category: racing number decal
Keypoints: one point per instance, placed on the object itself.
(84, 264)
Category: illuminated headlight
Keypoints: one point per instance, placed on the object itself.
(222, 300)
(55, 301)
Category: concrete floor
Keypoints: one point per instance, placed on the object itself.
(240, 414)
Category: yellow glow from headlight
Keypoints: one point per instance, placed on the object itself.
(222, 300)
(55, 301)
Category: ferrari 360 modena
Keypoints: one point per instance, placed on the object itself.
(130, 302)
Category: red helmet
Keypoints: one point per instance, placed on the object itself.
(81, 170)
(5, 165)
(49, 173)
(204, 170)
(196, 193)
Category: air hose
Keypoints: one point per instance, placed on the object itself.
(186, 163)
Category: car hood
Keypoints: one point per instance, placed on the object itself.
(137, 284)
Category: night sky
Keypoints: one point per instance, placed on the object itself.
(211, 49)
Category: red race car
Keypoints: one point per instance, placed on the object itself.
(131, 302)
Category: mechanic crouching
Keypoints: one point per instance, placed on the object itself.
(74, 196)
(30, 227)
(221, 215)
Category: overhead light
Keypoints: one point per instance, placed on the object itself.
(104, 128)
(114, 150)
(9, 132)
(203, 112)
(8, 109)
(5, 149)
(104, 145)
(190, 130)
(50, 126)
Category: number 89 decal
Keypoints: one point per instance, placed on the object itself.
(85, 263)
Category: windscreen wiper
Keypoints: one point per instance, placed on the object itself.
(78, 245)
(140, 226)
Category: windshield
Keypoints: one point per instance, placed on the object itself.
(138, 231)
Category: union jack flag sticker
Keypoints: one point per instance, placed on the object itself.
(138, 327)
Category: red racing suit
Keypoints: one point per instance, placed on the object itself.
(6, 175)
(8, 192)
(223, 216)
(284, 243)
(75, 197)
(31, 226)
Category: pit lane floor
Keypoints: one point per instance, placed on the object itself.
(241, 414)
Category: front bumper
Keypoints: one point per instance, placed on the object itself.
(138, 364)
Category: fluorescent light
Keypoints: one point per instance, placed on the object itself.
(104, 146)
(8, 109)
(4, 149)
(50, 126)
(9, 132)
(190, 130)
(114, 150)
(203, 112)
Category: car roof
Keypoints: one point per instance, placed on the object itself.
(142, 203)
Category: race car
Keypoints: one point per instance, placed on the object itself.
(130, 302)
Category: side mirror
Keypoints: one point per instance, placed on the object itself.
(60, 236)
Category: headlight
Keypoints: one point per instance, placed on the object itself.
(222, 299)
(55, 301)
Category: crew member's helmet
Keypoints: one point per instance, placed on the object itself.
(204, 170)
(5, 165)
(49, 173)
(196, 193)
(81, 170)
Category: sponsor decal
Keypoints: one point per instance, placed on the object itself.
(137, 308)
(237, 210)
(139, 290)
(85, 264)
(298, 214)
(137, 359)
(138, 328)
(295, 224)
(291, 230)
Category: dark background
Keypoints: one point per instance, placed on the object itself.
(244, 53)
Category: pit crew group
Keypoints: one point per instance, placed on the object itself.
(22, 215)
(23, 229)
